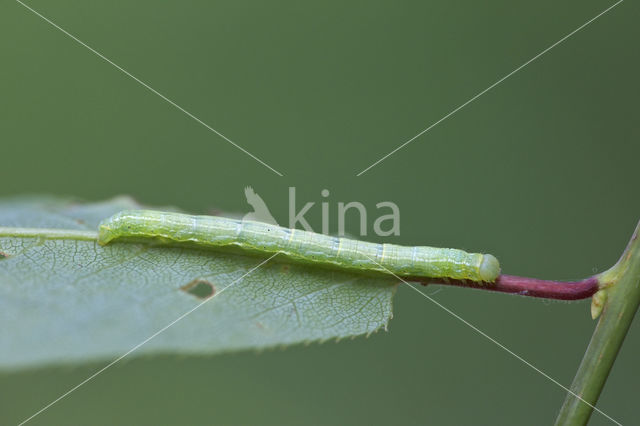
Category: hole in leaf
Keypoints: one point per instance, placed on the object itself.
(202, 289)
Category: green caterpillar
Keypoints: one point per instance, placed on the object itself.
(303, 246)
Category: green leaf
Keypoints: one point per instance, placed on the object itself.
(70, 300)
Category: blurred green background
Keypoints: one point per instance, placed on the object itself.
(541, 171)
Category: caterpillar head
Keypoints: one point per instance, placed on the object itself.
(489, 268)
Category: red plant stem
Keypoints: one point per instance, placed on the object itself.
(532, 287)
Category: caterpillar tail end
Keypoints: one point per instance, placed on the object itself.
(105, 234)
(489, 269)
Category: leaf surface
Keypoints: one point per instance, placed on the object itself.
(67, 300)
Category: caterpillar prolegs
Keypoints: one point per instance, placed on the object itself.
(299, 245)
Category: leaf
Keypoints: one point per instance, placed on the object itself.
(67, 300)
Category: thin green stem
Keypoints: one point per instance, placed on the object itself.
(49, 233)
(621, 284)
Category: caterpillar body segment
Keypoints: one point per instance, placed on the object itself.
(299, 245)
